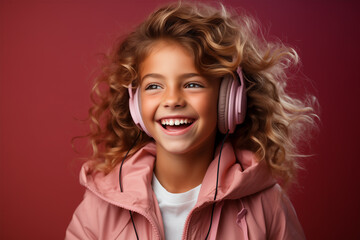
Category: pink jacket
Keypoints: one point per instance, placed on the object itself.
(250, 205)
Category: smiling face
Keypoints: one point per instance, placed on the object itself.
(178, 105)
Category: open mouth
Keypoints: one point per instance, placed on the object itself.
(176, 124)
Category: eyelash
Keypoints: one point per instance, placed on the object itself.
(194, 85)
(154, 86)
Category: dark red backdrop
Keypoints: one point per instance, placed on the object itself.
(48, 50)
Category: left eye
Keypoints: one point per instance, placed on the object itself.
(152, 87)
(193, 85)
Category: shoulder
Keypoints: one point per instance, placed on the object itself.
(94, 209)
(92, 218)
(92, 204)
(274, 211)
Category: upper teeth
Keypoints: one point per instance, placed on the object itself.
(176, 122)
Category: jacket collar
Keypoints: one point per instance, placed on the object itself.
(240, 175)
(136, 181)
(137, 172)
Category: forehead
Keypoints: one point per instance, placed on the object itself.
(169, 43)
(169, 58)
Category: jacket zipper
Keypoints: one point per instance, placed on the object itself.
(187, 222)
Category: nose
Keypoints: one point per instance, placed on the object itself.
(173, 98)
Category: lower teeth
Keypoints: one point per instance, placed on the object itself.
(181, 125)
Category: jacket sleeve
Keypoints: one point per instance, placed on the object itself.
(83, 224)
(285, 224)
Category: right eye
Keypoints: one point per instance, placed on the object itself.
(152, 86)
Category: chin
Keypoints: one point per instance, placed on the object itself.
(177, 147)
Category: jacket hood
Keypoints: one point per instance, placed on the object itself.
(240, 175)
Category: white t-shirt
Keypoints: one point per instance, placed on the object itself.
(174, 207)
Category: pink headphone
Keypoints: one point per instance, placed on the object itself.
(231, 104)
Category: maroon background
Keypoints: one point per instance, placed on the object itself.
(48, 50)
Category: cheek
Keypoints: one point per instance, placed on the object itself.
(207, 108)
(147, 108)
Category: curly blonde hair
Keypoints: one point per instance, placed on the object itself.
(220, 41)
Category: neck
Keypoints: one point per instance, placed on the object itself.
(179, 173)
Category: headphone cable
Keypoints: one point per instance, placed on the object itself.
(121, 189)
(217, 183)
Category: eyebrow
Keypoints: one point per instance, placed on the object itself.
(182, 76)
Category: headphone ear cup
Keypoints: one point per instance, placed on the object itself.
(223, 104)
(232, 103)
(135, 109)
(241, 99)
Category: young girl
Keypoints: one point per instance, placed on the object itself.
(191, 130)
